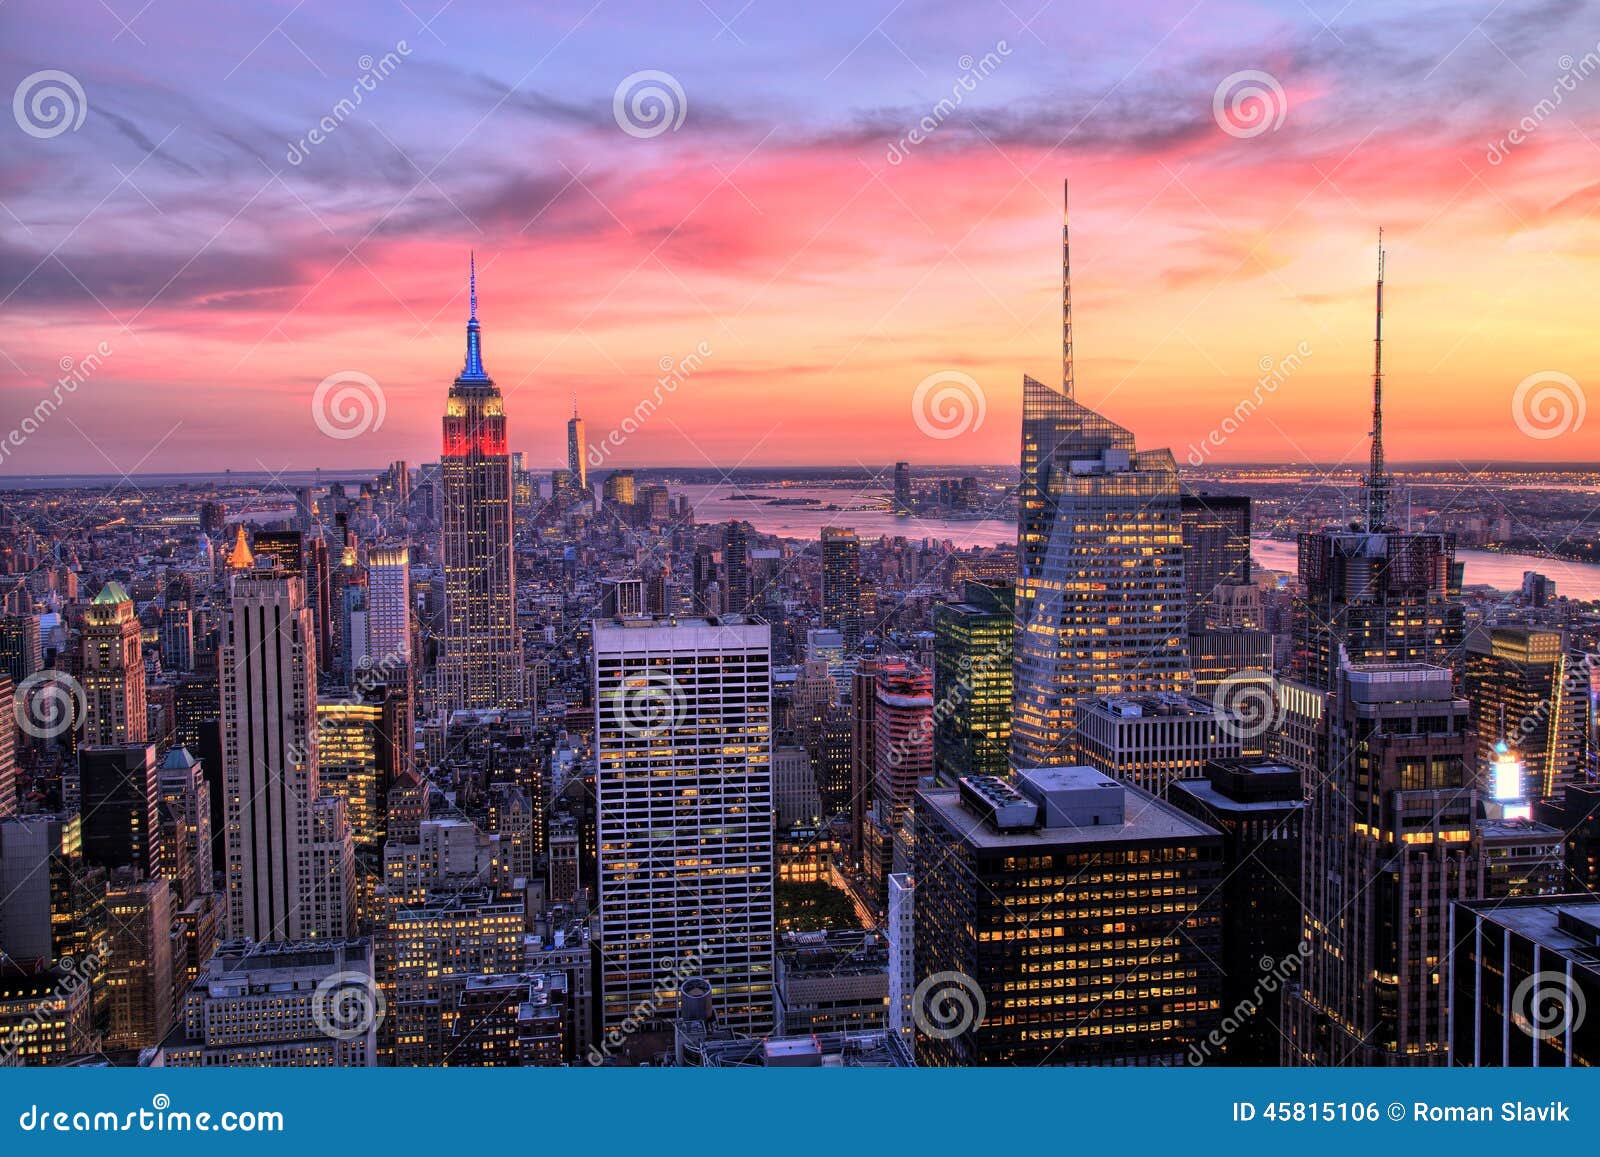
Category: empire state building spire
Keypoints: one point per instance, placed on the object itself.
(472, 370)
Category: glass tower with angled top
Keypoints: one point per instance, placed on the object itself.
(1100, 598)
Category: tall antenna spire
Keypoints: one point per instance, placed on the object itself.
(472, 370)
(574, 401)
(1378, 481)
(1066, 300)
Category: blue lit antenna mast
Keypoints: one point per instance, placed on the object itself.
(1378, 481)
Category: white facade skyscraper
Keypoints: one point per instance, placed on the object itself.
(683, 750)
(389, 604)
(269, 745)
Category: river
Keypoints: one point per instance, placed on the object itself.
(715, 504)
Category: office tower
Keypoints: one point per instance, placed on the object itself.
(736, 562)
(832, 763)
(52, 904)
(286, 549)
(902, 488)
(8, 748)
(269, 703)
(620, 488)
(358, 761)
(841, 583)
(577, 450)
(177, 635)
(1100, 594)
(389, 604)
(1221, 655)
(902, 736)
(310, 1004)
(121, 802)
(1152, 740)
(181, 782)
(139, 971)
(1390, 841)
(213, 518)
(832, 981)
(796, 799)
(355, 654)
(319, 597)
(1260, 809)
(1525, 981)
(1577, 813)
(621, 597)
(481, 659)
(1537, 590)
(1376, 594)
(900, 932)
(1071, 945)
(863, 749)
(973, 645)
(1216, 552)
(21, 646)
(328, 908)
(46, 1015)
(1528, 692)
(683, 780)
(113, 670)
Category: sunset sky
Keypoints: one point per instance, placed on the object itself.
(789, 228)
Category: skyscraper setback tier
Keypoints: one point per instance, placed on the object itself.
(481, 664)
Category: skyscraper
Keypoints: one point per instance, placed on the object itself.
(1063, 919)
(269, 703)
(973, 642)
(120, 801)
(1100, 593)
(577, 459)
(1528, 692)
(481, 662)
(1374, 592)
(8, 748)
(1390, 842)
(736, 561)
(389, 604)
(113, 670)
(1216, 551)
(841, 583)
(683, 779)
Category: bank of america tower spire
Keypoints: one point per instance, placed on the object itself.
(481, 666)
(1100, 606)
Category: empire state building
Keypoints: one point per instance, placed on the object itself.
(481, 666)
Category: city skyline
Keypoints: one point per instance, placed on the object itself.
(1215, 245)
